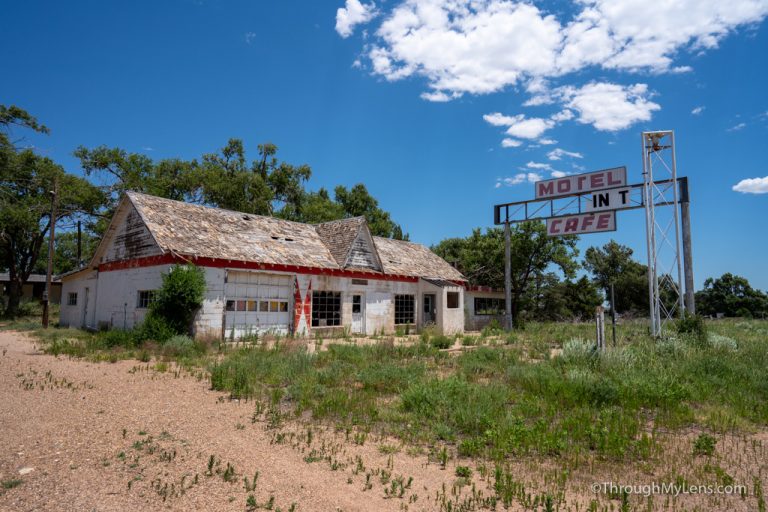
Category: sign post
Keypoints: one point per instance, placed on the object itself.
(588, 203)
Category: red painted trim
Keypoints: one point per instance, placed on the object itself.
(165, 259)
(480, 288)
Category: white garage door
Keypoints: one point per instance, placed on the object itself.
(257, 303)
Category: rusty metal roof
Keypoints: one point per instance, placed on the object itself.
(203, 231)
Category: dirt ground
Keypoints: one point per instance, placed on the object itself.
(123, 436)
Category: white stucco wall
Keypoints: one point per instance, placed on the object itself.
(81, 314)
(475, 322)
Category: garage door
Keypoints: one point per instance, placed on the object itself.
(257, 303)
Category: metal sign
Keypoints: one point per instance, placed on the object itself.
(582, 224)
(611, 199)
(581, 183)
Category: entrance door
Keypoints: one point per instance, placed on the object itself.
(429, 309)
(358, 314)
(85, 309)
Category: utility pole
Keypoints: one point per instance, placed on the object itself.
(49, 274)
(507, 277)
(613, 315)
(685, 214)
(79, 245)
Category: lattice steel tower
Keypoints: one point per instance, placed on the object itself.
(662, 227)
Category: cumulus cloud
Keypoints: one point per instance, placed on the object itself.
(523, 177)
(352, 14)
(559, 174)
(547, 142)
(558, 154)
(698, 110)
(463, 47)
(608, 106)
(511, 143)
(752, 186)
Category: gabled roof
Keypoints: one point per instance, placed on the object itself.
(338, 236)
(194, 230)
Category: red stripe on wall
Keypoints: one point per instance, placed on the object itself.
(165, 259)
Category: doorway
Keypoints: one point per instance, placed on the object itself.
(85, 309)
(358, 314)
(429, 313)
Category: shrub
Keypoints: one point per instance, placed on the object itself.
(179, 346)
(693, 325)
(704, 445)
(442, 342)
(492, 329)
(118, 338)
(179, 298)
(463, 472)
(154, 328)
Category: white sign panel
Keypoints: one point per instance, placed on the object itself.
(581, 183)
(581, 224)
(613, 199)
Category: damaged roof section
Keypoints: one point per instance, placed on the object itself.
(202, 231)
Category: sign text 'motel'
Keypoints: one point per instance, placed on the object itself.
(568, 185)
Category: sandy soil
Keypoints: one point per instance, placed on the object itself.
(122, 436)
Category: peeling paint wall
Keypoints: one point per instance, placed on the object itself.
(129, 237)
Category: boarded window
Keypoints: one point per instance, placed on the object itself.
(72, 299)
(405, 309)
(489, 306)
(362, 282)
(453, 300)
(145, 298)
(326, 309)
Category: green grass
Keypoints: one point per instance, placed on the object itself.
(496, 401)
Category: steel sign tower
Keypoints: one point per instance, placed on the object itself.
(662, 228)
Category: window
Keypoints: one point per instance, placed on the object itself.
(72, 299)
(404, 309)
(145, 298)
(356, 304)
(489, 306)
(326, 309)
(453, 300)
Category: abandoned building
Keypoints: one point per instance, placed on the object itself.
(263, 275)
(33, 288)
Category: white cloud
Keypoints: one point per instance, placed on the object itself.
(483, 46)
(698, 110)
(436, 96)
(353, 13)
(608, 106)
(530, 128)
(510, 143)
(737, 127)
(547, 142)
(563, 115)
(558, 154)
(536, 165)
(523, 177)
(559, 174)
(752, 186)
(497, 119)
(249, 37)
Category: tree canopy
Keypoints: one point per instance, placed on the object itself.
(731, 295)
(613, 263)
(480, 257)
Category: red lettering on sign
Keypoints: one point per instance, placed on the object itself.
(563, 186)
(572, 224)
(612, 181)
(586, 222)
(603, 221)
(581, 180)
(546, 189)
(553, 225)
(597, 180)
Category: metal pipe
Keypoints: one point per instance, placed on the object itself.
(507, 277)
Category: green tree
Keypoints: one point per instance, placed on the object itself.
(731, 295)
(480, 257)
(179, 298)
(65, 252)
(26, 183)
(556, 300)
(613, 263)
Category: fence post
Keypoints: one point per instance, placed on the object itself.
(600, 325)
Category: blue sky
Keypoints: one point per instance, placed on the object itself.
(440, 108)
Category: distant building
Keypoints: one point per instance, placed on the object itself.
(33, 288)
(263, 274)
